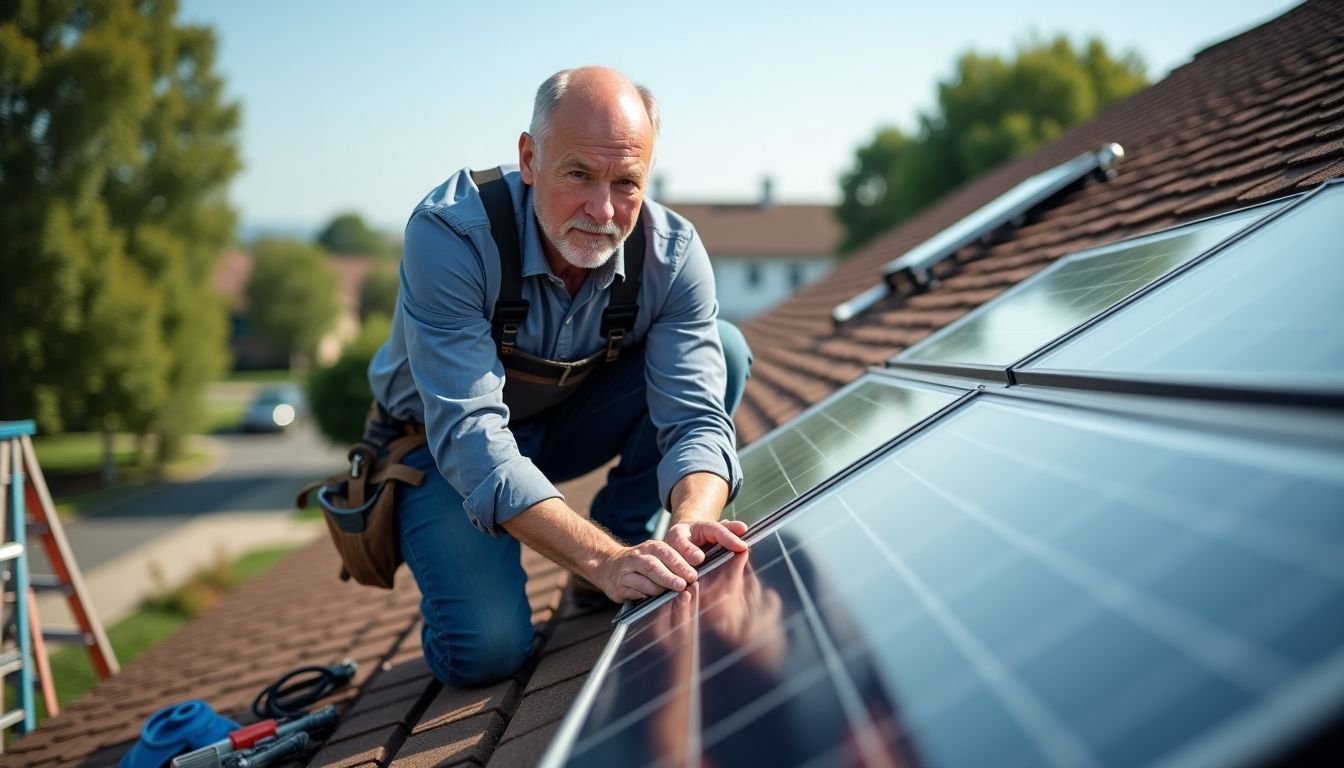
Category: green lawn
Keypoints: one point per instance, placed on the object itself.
(83, 452)
(221, 417)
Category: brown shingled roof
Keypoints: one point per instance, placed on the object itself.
(1256, 117)
(764, 230)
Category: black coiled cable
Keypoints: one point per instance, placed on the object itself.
(296, 689)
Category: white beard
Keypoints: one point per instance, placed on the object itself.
(587, 253)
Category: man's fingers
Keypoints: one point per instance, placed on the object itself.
(736, 526)
(670, 558)
(637, 585)
(721, 534)
(662, 565)
(679, 538)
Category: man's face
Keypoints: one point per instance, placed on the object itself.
(588, 181)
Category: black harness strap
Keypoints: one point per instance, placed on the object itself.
(618, 318)
(511, 307)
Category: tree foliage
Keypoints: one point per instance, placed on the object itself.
(292, 295)
(116, 146)
(991, 110)
(378, 294)
(339, 395)
(347, 234)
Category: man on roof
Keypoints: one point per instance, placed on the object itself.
(516, 397)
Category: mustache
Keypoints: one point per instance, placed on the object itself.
(583, 225)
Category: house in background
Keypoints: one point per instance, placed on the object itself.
(762, 252)
(250, 352)
(1257, 119)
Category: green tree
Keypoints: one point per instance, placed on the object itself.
(378, 294)
(347, 234)
(991, 110)
(339, 396)
(292, 296)
(175, 213)
(115, 149)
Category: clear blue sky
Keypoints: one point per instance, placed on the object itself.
(366, 106)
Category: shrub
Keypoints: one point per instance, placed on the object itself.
(338, 395)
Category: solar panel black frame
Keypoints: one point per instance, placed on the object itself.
(1306, 425)
(1155, 384)
(914, 265)
(1004, 372)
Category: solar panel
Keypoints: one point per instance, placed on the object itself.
(914, 265)
(1266, 312)
(828, 437)
(1068, 292)
(1113, 588)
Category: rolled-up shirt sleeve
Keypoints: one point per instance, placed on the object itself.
(460, 379)
(686, 378)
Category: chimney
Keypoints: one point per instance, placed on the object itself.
(767, 192)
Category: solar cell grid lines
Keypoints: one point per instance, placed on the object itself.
(1069, 292)
(827, 438)
(1113, 589)
(1267, 312)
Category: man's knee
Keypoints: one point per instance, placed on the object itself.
(737, 357)
(473, 656)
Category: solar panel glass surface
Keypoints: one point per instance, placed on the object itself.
(1268, 311)
(1069, 292)
(1104, 590)
(826, 438)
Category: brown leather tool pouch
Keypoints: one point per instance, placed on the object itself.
(360, 508)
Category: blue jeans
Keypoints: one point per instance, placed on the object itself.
(477, 622)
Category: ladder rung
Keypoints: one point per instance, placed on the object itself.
(61, 635)
(12, 717)
(43, 582)
(11, 666)
(12, 656)
(11, 551)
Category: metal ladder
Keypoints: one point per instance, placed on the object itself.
(26, 508)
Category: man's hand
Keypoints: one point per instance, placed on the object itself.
(689, 538)
(697, 501)
(643, 570)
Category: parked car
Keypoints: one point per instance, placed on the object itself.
(274, 409)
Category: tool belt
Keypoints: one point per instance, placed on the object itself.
(360, 506)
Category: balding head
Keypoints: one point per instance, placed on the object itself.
(587, 159)
(598, 89)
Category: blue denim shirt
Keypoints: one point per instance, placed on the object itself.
(440, 366)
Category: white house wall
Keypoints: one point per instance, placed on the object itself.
(740, 297)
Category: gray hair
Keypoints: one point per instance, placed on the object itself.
(554, 89)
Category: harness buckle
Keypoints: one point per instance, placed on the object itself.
(508, 339)
(614, 339)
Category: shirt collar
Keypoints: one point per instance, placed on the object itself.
(534, 257)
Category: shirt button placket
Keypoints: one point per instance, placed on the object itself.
(566, 338)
